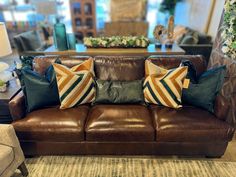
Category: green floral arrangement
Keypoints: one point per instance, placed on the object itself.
(229, 29)
(117, 41)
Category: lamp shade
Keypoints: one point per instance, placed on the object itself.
(5, 47)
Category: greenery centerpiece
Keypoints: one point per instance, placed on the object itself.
(117, 42)
(229, 29)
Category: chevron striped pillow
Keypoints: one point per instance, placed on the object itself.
(75, 85)
(164, 87)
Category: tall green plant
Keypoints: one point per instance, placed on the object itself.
(229, 29)
(169, 6)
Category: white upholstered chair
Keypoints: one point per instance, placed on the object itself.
(11, 155)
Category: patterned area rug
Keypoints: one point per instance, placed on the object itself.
(78, 166)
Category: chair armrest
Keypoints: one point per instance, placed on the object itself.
(17, 106)
(221, 107)
(8, 138)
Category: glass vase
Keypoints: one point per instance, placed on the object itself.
(71, 40)
(60, 38)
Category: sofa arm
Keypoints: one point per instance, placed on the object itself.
(221, 107)
(17, 106)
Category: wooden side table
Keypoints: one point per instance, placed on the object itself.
(13, 88)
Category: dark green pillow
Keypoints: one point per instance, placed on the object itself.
(40, 91)
(119, 92)
(202, 92)
(31, 41)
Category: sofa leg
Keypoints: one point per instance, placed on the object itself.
(212, 156)
(23, 169)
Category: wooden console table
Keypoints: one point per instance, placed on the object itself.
(84, 51)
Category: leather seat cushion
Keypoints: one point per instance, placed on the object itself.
(189, 124)
(119, 123)
(53, 124)
(6, 157)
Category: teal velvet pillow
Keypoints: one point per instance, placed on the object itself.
(40, 91)
(203, 90)
(119, 92)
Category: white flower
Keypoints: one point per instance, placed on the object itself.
(232, 2)
(124, 42)
(227, 6)
(231, 30)
(228, 42)
(87, 42)
(104, 43)
(138, 42)
(225, 49)
(232, 20)
(223, 34)
(143, 43)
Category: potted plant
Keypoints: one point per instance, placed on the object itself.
(169, 6)
(3, 86)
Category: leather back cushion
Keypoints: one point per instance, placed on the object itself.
(41, 63)
(123, 68)
(170, 62)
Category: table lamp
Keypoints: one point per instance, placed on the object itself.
(5, 49)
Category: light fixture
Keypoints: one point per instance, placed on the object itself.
(5, 49)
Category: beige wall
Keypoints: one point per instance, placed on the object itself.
(215, 18)
(199, 14)
(204, 15)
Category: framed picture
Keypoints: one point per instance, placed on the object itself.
(126, 10)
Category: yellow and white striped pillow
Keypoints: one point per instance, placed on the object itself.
(75, 85)
(164, 87)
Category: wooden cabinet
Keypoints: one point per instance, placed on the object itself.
(83, 16)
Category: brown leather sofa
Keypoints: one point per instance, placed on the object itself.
(122, 129)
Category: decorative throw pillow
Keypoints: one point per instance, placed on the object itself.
(31, 41)
(164, 87)
(40, 91)
(75, 85)
(118, 92)
(152, 69)
(202, 92)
